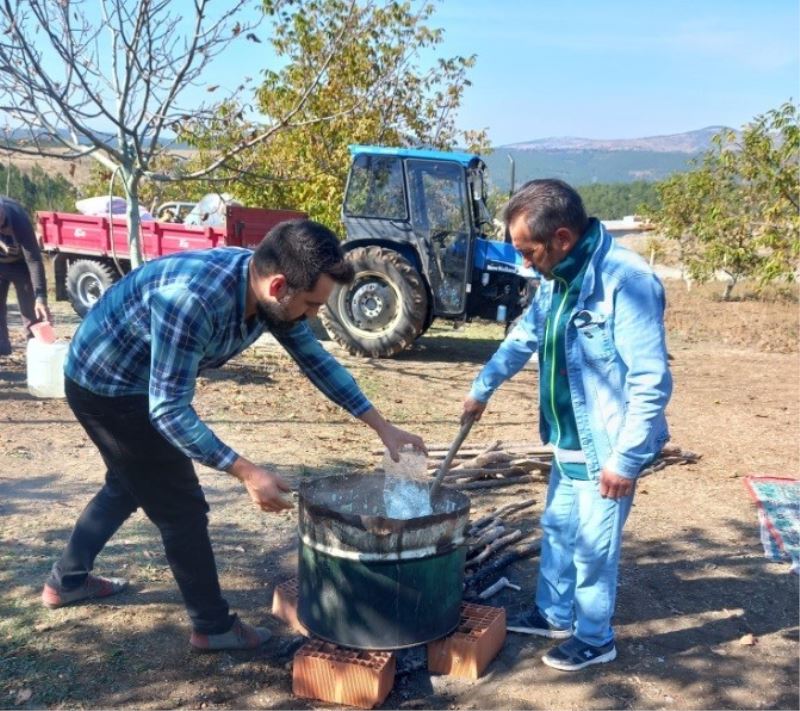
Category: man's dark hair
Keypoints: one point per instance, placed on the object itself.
(547, 205)
(301, 250)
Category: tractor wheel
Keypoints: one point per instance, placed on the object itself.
(385, 308)
(428, 321)
(86, 281)
(429, 315)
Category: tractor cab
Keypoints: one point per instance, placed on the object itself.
(417, 234)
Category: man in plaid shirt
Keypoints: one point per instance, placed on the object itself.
(130, 380)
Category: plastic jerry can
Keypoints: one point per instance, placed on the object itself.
(45, 362)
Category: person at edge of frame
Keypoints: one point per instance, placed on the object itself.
(21, 265)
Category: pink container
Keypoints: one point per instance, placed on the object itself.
(43, 331)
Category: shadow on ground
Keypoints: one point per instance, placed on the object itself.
(683, 605)
(450, 349)
(680, 621)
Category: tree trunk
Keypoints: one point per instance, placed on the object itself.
(131, 182)
(729, 288)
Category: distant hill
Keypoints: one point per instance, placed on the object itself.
(579, 161)
(688, 142)
(585, 161)
(25, 135)
(584, 167)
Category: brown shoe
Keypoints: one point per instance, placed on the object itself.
(93, 587)
(240, 636)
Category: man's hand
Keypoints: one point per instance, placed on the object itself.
(264, 487)
(474, 408)
(394, 438)
(42, 312)
(614, 486)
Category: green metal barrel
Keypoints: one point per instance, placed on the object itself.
(372, 582)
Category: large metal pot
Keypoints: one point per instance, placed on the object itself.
(373, 582)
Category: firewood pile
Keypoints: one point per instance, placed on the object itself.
(499, 538)
(494, 541)
(492, 466)
(499, 465)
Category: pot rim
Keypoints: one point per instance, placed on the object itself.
(380, 524)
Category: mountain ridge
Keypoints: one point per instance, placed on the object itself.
(586, 161)
(690, 142)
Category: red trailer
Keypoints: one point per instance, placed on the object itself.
(90, 253)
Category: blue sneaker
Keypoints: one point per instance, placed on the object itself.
(574, 654)
(534, 622)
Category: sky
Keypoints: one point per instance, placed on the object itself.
(619, 68)
(614, 68)
(593, 68)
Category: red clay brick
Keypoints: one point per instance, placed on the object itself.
(352, 677)
(468, 650)
(284, 605)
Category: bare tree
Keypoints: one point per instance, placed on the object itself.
(71, 68)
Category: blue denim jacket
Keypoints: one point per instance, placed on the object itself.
(616, 360)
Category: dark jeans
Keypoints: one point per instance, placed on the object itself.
(144, 470)
(15, 273)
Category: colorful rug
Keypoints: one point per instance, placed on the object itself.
(778, 502)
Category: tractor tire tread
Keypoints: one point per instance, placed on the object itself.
(415, 305)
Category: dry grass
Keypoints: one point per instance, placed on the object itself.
(701, 316)
(694, 580)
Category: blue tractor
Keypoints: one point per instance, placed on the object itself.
(418, 235)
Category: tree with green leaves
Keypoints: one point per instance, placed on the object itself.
(739, 212)
(37, 190)
(610, 201)
(374, 90)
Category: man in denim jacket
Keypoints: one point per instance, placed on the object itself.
(597, 326)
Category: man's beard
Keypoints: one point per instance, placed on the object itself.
(547, 272)
(273, 316)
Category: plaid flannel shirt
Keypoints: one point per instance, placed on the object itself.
(156, 329)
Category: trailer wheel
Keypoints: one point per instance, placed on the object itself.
(385, 308)
(86, 281)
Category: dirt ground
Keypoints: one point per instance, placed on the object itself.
(694, 580)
